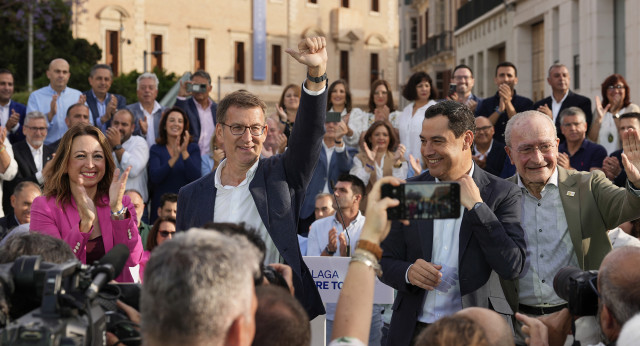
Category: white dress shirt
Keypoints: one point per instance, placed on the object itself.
(136, 155)
(555, 106)
(37, 159)
(11, 171)
(151, 133)
(410, 127)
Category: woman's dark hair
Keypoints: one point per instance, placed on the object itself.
(347, 98)
(613, 80)
(393, 139)
(409, 92)
(162, 128)
(152, 238)
(372, 104)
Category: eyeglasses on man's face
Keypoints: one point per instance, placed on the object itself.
(530, 149)
(239, 130)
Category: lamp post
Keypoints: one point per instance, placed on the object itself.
(219, 80)
(154, 53)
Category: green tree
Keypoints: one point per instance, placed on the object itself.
(52, 39)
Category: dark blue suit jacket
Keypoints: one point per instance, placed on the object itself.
(491, 239)
(278, 188)
(340, 163)
(92, 102)
(572, 100)
(22, 110)
(189, 106)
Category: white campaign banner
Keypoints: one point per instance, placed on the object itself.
(329, 273)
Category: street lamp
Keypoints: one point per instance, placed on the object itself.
(219, 79)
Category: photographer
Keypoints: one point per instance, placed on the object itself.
(618, 301)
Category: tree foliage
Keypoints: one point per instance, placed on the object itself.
(52, 39)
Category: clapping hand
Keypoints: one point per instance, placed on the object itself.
(86, 207)
(631, 155)
(13, 119)
(415, 165)
(144, 125)
(399, 153)
(600, 111)
(611, 167)
(117, 188)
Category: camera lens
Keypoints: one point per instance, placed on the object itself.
(562, 281)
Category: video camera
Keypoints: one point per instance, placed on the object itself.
(579, 288)
(44, 303)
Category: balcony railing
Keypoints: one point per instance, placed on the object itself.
(474, 9)
(434, 46)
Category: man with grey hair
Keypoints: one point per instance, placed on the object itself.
(561, 97)
(565, 213)
(54, 99)
(101, 103)
(147, 111)
(200, 108)
(199, 290)
(31, 155)
(577, 152)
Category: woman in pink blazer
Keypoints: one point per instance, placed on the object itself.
(84, 203)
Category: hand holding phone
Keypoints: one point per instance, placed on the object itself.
(423, 200)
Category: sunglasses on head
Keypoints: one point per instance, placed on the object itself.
(165, 234)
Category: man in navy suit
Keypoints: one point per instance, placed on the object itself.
(442, 266)
(102, 104)
(334, 161)
(265, 194)
(561, 97)
(11, 112)
(200, 109)
(31, 155)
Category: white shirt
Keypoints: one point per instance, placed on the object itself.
(319, 239)
(37, 159)
(354, 114)
(151, 133)
(206, 126)
(136, 155)
(555, 106)
(410, 126)
(446, 299)
(235, 204)
(480, 155)
(11, 171)
(360, 121)
(329, 152)
(361, 172)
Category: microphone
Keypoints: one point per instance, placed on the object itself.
(108, 268)
(344, 226)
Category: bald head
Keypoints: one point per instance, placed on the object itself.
(58, 74)
(494, 326)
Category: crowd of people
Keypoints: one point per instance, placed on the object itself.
(543, 186)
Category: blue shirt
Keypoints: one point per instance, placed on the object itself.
(589, 155)
(40, 100)
(490, 104)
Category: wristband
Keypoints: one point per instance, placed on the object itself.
(120, 212)
(117, 147)
(326, 248)
(317, 79)
(370, 167)
(374, 248)
(369, 262)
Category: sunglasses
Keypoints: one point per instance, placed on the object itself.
(165, 234)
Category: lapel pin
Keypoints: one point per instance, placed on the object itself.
(571, 193)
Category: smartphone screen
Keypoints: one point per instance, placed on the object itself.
(333, 117)
(424, 200)
(452, 88)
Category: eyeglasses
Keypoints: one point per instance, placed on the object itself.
(484, 128)
(530, 149)
(33, 128)
(165, 234)
(462, 77)
(617, 86)
(567, 125)
(239, 130)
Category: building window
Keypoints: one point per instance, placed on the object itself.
(156, 52)
(112, 54)
(375, 5)
(375, 69)
(576, 72)
(413, 38)
(426, 26)
(239, 63)
(200, 54)
(538, 70)
(345, 3)
(344, 65)
(276, 65)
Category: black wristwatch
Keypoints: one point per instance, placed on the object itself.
(326, 248)
(317, 79)
(117, 147)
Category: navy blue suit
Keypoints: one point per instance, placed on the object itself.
(189, 106)
(22, 110)
(572, 100)
(491, 241)
(92, 102)
(278, 188)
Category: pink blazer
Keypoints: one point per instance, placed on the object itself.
(64, 223)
